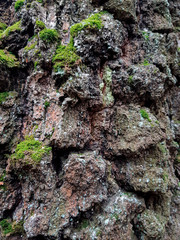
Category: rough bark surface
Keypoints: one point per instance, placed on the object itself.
(98, 124)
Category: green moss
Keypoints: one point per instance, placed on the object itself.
(66, 56)
(145, 115)
(46, 104)
(32, 46)
(165, 177)
(3, 97)
(36, 127)
(178, 158)
(6, 226)
(48, 35)
(94, 21)
(116, 216)
(162, 148)
(15, 27)
(130, 79)
(18, 228)
(40, 24)
(18, 4)
(98, 233)
(145, 35)
(35, 65)
(146, 63)
(31, 147)
(3, 26)
(9, 228)
(84, 224)
(8, 59)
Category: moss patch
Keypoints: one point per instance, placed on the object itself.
(66, 56)
(32, 148)
(12, 228)
(15, 27)
(48, 35)
(40, 24)
(145, 115)
(6, 226)
(32, 46)
(5, 95)
(8, 59)
(94, 21)
(18, 4)
(46, 104)
(84, 224)
(3, 26)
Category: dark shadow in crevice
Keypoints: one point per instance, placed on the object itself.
(59, 157)
(41, 237)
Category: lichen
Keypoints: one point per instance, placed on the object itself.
(32, 148)
(8, 59)
(106, 87)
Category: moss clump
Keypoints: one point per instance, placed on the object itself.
(145, 115)
(40, 24)
(84, 224)
(9, 228)
(32, 46)
(48, 35)
(145, 35)
(66, 56)
(94, 21)
(6, 226)
(18, 4)
(35, 65)
(18, 227)
(146, 63)
(46, 104)
(130, 79)
(8, 59)
(31, 147)
(15, 27)
(3, 26)
(3, 97)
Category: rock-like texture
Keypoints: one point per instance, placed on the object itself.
(89, 120)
